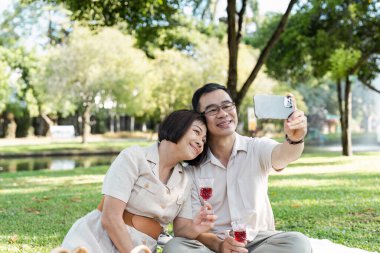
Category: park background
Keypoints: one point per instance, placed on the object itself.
(81, 80)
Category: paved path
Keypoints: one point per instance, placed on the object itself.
(49, 140)
(99, 138)
(338, 148)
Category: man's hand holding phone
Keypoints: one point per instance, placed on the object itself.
(295, 127)
(283, 107)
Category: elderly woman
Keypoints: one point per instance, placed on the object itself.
(145, 189)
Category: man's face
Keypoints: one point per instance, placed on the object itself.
(224, 122)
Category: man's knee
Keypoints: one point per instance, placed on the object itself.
(183, 245)
(173, 245)
(299, 242)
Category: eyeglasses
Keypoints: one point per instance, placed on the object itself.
(214, 109)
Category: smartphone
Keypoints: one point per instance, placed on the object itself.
(273, 106)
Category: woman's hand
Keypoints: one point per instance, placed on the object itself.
(202, 223)
(205, 219)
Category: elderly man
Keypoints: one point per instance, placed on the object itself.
(240, 167)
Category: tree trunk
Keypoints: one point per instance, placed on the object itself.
(232, 48)
(345, 111)
(11, 127)
(132, 126)
(48, 121)
(112, 123)
(341, 107)
(233, 43)
(117, 119)
(86, 124)
(346, 131)
(214, 10)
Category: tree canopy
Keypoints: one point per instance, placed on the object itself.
(329, 38)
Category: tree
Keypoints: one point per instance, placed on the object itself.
(235, 33)
(27, 30)
(336, 38)
(88, 71)
(176, 74)
(4, 80)
(234, 38)
(153, 23)
(21, 94)
(150, 21)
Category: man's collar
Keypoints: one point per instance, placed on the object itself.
(240, 144)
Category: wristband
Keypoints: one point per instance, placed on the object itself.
(293, 142)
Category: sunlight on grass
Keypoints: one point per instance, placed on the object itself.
(318, 161)
(359, 164)
(69, 180)
(333, 160)
(93, 146)
(12, 248)
(25, 183)
(309, 183)
(23, 190)
(21, 248)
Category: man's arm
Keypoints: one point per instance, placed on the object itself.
(215, 244)
(295, 128)
(285, 153)
(211, 241)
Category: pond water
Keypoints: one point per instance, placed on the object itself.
(54, 162)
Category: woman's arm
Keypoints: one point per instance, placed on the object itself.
(113, 223)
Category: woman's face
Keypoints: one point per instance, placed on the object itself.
(192, 142)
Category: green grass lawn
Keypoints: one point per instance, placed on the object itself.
(322, 195)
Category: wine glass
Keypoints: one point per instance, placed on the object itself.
(205, 189)
(239, 230)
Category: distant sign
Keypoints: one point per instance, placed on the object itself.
(62, 132)
(252, 120)
(62, 164)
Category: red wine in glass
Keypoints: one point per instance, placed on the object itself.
(205, 193)
(239, 229)
(240, 235)
(205, 188)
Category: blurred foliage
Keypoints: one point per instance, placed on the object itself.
(4, 77)
(342, 60)
(44, 24)
(322, 37)
(75, 64)
(326, 41)
(89, 70)
(151, 22)
(16, 86)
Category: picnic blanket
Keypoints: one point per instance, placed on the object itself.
(326, 246)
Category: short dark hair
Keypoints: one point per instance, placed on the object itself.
(208, 87)
(176, 124)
